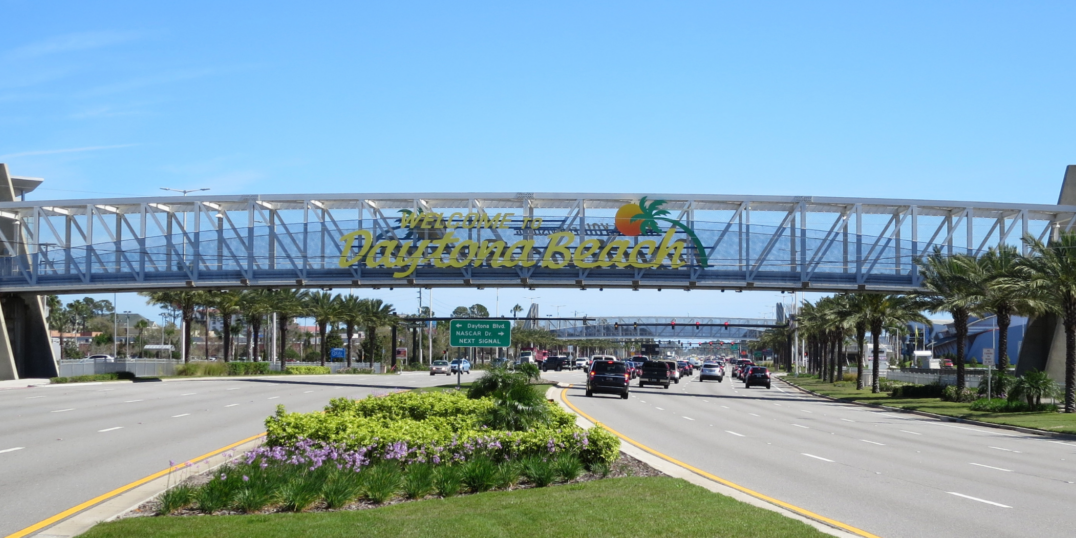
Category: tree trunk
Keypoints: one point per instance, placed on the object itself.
(1070, 355)
(255, 330)
(188, 317)
(226, 321)
(960, 320)
(283, 330)
(350, 333)
(840, 357)
(876, 383)
(861, 341)
(1004, 317)
(833, 359)
(321, 331)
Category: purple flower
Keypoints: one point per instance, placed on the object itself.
(245, 478)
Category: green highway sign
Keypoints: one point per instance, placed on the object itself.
(480, 333)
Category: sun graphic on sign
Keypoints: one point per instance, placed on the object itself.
(636, 219)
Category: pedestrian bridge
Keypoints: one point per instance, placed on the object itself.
(664, 328)
(497, 239)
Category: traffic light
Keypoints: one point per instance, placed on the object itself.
(616, 326)
(726, 325)
(635, 325)
(697, 326)
(673, 323)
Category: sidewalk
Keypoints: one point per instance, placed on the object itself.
(22, 383)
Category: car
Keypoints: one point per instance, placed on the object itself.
(609, 377)
(633, 371)
(582, 362)
(685, 368)
(461, 365)
(440, 367)
(555, 363)
(655, 373)
(102, 358)
(756, 375)
(499, 363)
(600, 358)
(711, 370)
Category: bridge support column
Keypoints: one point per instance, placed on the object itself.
(25, 345)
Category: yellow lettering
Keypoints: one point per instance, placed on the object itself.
(439, 251)
(504, 219)
(667, 244)
(488, 249)
(409, 261)
(452, 220)
(386, 258)
(525, 246)
(633, 258)
(427, 219)
(537, 223)
(585, 250)
(558, 245)
(411, 219)
(454, 258)
(349, 242)
(621, 246)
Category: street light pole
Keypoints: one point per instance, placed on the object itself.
(185, 193)
(127, 334)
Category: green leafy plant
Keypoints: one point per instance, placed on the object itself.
(341, 487)
(480, 474)
(418, 482)
(176, 498)
(382, 482)
(298, 493)
(601, 469)
(1003, 405)
(1000, 385)
(447, 480)
(568, 467)
(307, 370)
(933, 390)
(213, 496)
(951, 394)
(248, 368)
(508, 474)
(252, 499)
(1033, 386)
(538, 471)
(530, 371)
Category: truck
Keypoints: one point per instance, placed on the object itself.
(532, 356)
(926, 359)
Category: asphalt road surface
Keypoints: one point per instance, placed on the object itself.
(891, 474)
(62, 445)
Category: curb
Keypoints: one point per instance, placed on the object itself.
(943, 418)
(677, 471)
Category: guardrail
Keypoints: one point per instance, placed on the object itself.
(138, 367)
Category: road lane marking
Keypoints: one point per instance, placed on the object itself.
(62, 410)
(642, 401)
(183, 415)
(817, 457)
(754, 415)
(806, 411)
(801, 511)
(231, 405)
(309, 391)
(913, 433)
(777, 404)
(132, 401)
(725, 406)
(110, 429)
(189, 394)
(801, 426)
(11, 449)
(659, 409)
(847, 420)
(34, 397)
(977, 499)
(106, 496)
(234, 388)
(272, 397)
(1005, 449)
(1061, 443)
(689, 418)
(989, 467)
(734, 433)
(871, 442)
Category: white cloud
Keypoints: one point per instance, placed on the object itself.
(65, 150)
(69, 43)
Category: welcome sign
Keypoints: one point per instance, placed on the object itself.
(438, 239)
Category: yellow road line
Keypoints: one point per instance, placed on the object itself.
(101, 498)
(801, 511)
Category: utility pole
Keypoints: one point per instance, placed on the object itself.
(421, 360)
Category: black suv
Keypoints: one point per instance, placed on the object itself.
(608, 376)
(756, 375)
(556, 363)
(655, 373)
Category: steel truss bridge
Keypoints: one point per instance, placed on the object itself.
(663, 328)
(751, 242)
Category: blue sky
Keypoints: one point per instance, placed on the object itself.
(954, 100)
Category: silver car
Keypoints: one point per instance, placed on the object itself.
(440, 367)
(712, 370)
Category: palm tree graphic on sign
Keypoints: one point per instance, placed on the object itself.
(637, 219)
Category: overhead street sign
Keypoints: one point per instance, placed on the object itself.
(480, 333)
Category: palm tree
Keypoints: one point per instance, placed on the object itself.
(1049, 274)
(184, 301)
(859, 318)
(325, 308)
(952, 284)
(375, 313)
(141, 325)
(59, 318)
(255, 306)
(351, 314)
(288, 304)
(516, 310)
(888, 310)
(649, 215)
(997, 267)
(228, 305)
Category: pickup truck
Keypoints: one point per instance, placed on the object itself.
(557, 363)
(656, 373)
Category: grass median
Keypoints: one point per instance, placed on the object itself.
(1047, 421)
(654, 506)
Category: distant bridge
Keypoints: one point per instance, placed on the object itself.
(663, 328)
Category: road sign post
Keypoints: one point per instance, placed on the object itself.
(988, 362)
(480, 333)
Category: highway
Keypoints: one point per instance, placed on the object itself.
(61, 445)
(891, 474)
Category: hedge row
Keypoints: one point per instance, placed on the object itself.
(307, 370)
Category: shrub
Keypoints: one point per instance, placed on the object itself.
(480, 474)
(213, 496)
(177, 498)
(307, 370)
(355, 371)
(382, 482)
(1000, 384)
(530, 371)
(202, 368)
(951, 394)
(849, 377)
(252, 498)
(539, 471)
(248, 368)
(601, 469)
(568, 467)
(298, 493)
(933, 390)
(418, 482)
(84, 378)
(447, 480)
(126, 376)
(341, 487)
(1033, 386)
(1002, 405)
(508, 474)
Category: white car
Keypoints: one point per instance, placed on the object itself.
(102, 358)
(581, 362)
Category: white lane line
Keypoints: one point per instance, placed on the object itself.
(689, 418)
(309, 391)
(989, 467)
(106, 390)
(132, 401)
(234, 388)
(752, 414)
(12, 449)
(659, 409)
(816, 457)
(62, 410)
(780, 389)
(777, 404)
(1061, 443)
(1005, 449)
(806, 411)
(963, 428)
(34, 397)
(183, 415)
(189, 394)
(725, 406)
(734, 433)
(871, 442)
(109, 429)
(272, 397)
(231, 405)
(642, 401)
(913, 433)
(847, 420)
(977, 499)
(801, 426)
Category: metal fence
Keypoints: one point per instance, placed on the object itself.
(941, 377)
(333, 366)
(138, 367)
